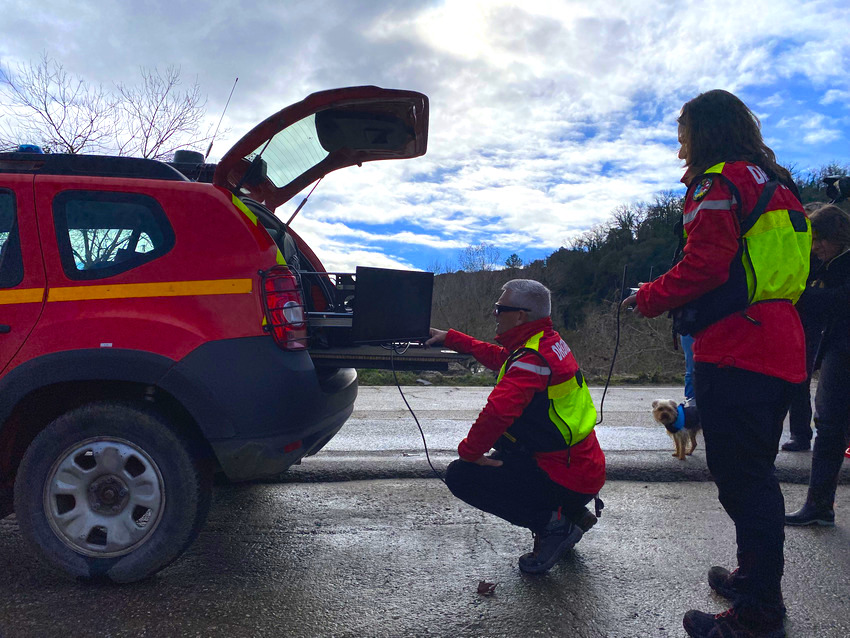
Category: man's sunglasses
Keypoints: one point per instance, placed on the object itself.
(500, 308)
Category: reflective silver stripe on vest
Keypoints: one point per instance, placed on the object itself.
(717, 204)
(544, 372)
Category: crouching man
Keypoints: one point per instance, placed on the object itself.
(540, 419)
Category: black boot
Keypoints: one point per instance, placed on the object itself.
(732, 624)
(584, 518)
(556, 539)
(722, 581)
(795, 444)
(823, 482)
(811, 514)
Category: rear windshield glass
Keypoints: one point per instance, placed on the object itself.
(293, 151)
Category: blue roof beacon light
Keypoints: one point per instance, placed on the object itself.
(30, 148)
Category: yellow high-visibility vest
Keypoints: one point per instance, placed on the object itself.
(777, 246)
(772, 262)
(571, 408)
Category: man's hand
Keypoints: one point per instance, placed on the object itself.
(486, 461)
(630, 302)
(438, 337)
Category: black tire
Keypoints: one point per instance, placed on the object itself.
(109, 491)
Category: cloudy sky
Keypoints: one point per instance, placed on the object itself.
(545, 116)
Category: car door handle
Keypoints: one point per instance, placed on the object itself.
(5, 329)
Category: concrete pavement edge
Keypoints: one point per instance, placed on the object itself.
(641, 466)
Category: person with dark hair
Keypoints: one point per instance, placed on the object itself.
(540, 419)
(800, 412)
(745, 263)
(828, 301)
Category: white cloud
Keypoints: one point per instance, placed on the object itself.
(545, 115)
(821, 136)
(835, 96)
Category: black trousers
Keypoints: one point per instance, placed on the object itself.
(832, 420)
(800, 412)
(741, 414)
(517, 491)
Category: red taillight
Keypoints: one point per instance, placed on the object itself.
(284, 308)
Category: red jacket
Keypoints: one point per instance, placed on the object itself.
(513, 394)
(771, 340)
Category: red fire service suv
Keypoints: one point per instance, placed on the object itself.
(155, 328)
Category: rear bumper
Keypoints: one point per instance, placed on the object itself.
(250, 458)
(254, 402)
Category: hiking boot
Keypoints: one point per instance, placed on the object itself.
(722, 582)
(585, 519)
(557, 538)
(797, 445)
(811, 514)
(729, 624)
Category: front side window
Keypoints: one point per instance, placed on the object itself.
(11, 267)
(101, 234)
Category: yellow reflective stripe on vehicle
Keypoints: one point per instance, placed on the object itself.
(21, 295)
(163, 289)
(563, 389)
(245, 210)
(279, 258)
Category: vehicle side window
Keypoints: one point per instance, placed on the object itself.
(101, 234)
(11, 265)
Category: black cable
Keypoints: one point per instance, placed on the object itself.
(403, 398)
(616, 344)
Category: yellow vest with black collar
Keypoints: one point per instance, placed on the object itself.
(555, 420)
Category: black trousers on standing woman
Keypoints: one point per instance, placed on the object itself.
(832, 420)
(741, 414)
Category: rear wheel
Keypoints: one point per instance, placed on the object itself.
(110, 491)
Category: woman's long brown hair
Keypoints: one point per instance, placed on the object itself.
(719, 127)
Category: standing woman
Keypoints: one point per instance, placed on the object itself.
(828, 302)
(746, 259)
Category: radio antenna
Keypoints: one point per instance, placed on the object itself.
(209, 148)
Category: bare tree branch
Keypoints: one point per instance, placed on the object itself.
(482, 256)
(59, 112)
(43, 104)
(158, 117)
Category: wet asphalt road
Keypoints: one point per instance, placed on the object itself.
(401, 557)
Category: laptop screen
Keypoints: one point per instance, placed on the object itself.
(391, 305)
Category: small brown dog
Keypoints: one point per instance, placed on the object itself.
(682, 424)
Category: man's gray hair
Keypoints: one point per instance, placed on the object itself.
(532, 295)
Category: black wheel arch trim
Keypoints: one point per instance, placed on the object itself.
(114, 364)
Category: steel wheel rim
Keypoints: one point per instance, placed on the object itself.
(83, 499)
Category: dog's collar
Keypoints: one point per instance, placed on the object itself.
(680, 418)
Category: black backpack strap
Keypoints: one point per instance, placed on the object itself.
(760, 207)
